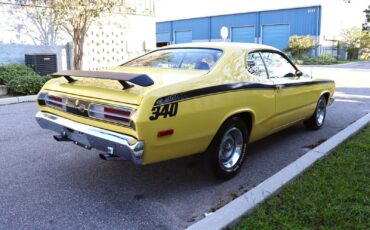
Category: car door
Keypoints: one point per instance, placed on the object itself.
(262, 95)
(293, 100)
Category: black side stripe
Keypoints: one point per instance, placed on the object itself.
(307, 83)
(226, 88)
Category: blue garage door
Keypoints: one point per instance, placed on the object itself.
(183, 37)
(276, 36)
(242, 34)
(163, 37)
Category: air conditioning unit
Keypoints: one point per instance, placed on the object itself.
(43, 64)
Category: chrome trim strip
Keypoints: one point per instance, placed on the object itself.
(125, 146)
(53, 101)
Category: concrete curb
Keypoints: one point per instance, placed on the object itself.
(13, 100)
(231, 213)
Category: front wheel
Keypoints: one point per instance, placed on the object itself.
(226, 153)
(316, 121)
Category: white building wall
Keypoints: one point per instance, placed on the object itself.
(19, 35)
(110, 42)
(18, 25)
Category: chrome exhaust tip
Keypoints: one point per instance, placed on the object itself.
(108, 157)
(61, 138)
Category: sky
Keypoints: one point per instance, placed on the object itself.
(336, 13)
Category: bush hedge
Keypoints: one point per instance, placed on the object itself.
(365, 54)
(21, 79)
(322, 59)
(299, 45)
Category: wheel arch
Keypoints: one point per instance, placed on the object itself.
(326, 94)
(246, 115)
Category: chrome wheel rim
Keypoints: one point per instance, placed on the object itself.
(230, 148)
(320, 112)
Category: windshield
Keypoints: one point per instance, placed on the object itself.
(192, 59)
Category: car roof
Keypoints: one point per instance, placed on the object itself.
(222, 45)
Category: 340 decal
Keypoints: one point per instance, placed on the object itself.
(167, 110)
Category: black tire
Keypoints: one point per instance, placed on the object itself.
(316, 121)
(233, 136)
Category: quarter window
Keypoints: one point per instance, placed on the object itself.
(277, 65)
(255, 65)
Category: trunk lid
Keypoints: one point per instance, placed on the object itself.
(111, 90)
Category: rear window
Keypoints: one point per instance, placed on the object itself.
(192, 59)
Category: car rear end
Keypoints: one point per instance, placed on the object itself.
(92, 116)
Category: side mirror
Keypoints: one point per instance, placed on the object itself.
(251, 63)
(299, 73)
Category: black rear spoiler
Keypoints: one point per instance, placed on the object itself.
(137, 79)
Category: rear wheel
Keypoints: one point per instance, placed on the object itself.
(226, 153)
(317, 119)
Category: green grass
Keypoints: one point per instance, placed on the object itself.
(333, 194)
(348, 61)
(337, 62)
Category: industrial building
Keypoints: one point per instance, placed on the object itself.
(272, 27)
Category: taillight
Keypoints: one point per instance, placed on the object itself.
(57, 102)
(114, 114)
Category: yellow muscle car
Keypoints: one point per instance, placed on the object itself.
(210, 98)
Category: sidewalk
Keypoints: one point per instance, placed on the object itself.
(13, 100)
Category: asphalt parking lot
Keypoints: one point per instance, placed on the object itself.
(45, 184)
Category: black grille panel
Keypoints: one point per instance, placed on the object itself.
(43, 64)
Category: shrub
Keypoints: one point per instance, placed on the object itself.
(11, 71)
(26, 85)
(327, 59)
(310, 60)
(299, 62)
(365, 54)
(322, 59)
(21, 79)
(299, 45)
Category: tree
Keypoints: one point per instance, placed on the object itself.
(299, 45)
(351, 39)
(44, 21)
(365, 45)
(76, 17)
(355, 39)
(365, 40)
(366, 25)
(37, 22)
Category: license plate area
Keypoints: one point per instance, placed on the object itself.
(77, 138)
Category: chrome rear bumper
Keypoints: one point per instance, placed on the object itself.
(116, 144)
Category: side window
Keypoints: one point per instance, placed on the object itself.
(255, 65)
(277, 66)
